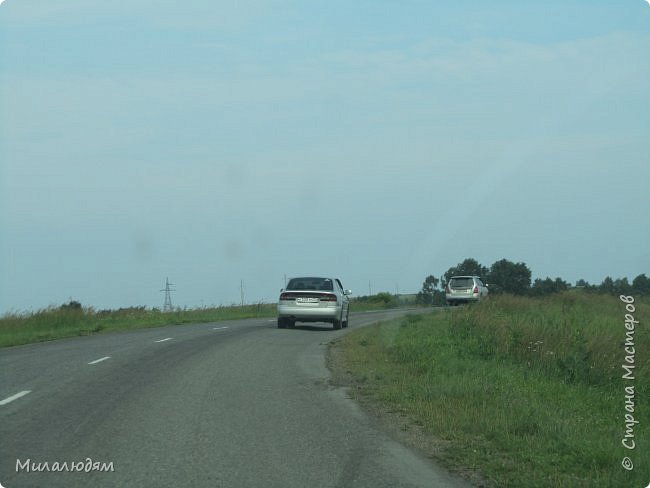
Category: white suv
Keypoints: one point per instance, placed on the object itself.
(465, 289)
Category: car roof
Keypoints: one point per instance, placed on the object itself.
(311, 278)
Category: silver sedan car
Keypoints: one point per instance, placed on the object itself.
(311, 299)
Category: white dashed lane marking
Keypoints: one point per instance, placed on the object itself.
(14, 397)
(99, 360)
(25, 392)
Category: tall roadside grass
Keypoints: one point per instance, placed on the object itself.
(382, 301)
(521, 391)
(55, 323)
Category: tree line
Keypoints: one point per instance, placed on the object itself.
(505, 276)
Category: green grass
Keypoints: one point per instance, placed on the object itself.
(382, 301)
(65, 321)
(56, 323)
(526, 392)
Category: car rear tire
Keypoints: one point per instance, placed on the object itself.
(336, 324)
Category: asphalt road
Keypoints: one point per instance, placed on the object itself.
(228, 404)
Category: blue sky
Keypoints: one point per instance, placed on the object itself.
(380, 142)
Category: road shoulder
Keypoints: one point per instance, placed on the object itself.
(397, 425)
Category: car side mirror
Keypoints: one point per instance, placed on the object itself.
(347, 292)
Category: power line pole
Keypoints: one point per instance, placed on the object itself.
(167, 307)
(241, 291)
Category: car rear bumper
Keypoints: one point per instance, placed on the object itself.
(462, 298)
(310, 314)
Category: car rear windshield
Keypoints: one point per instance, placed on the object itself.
(461, 283)
(324, 284)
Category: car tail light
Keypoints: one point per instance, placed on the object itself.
(475, 289)
(287, 296)
(327, 297)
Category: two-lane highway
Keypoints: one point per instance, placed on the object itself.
(229, 404)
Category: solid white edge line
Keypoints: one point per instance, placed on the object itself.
(166, 339)
(99, 360)
(15, 397)
(219, 328)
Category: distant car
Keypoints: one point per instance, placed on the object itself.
(465, 289)
(313, 299)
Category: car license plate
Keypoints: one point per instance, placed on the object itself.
(306, 300)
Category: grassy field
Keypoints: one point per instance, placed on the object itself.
(56, 323)
(381, 301)
(67, 321)
(518, 391)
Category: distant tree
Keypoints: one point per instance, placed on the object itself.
(547, 286)
(431, 293)
(72, 305)
(641, 285)
(561, 285)
(581, 283)
(508, 277)
(469, 267)
(607, 286)
(430, 284)
(384, 297)
(425, 296)
(622, 286)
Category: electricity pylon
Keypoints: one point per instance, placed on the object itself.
(167, 307)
